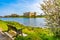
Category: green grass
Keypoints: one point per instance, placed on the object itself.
(3, 26)
(38, 34)
(15, 24)
(33, 33)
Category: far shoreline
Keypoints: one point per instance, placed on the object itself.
(25, 17)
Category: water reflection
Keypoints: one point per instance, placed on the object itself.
(30, 21)
(36, 22)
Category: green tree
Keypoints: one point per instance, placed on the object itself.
(51, 8)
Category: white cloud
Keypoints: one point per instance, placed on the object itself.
(35, 8)
(23, 7)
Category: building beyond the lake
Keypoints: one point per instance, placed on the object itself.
(30, 14)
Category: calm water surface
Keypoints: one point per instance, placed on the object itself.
(35, 22)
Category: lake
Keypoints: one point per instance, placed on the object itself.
(35, 22)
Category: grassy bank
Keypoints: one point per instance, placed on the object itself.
(33, 33)
(25, 17)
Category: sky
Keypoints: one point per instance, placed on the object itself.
(8, 7)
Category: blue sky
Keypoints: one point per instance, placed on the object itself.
(19, 6)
